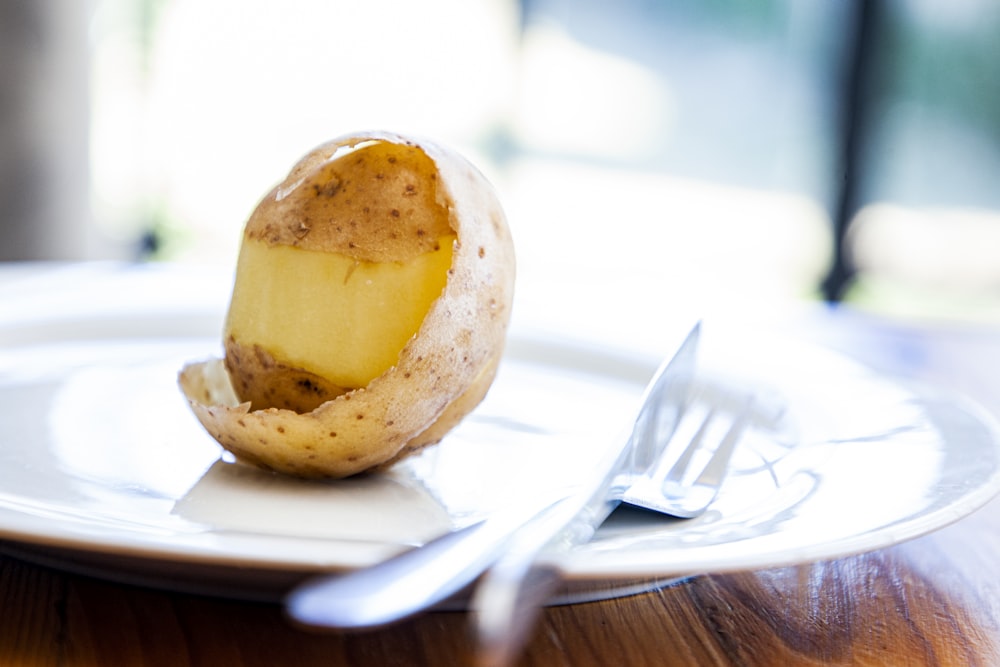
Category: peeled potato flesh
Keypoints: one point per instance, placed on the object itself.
(414, 207)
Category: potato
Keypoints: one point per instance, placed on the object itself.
(372, 298)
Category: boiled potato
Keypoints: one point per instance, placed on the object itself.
(372, 297)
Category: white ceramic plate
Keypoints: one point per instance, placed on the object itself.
(103, 469)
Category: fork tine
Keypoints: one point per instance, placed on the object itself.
(683, 462)
(715, 470)
(688, 499)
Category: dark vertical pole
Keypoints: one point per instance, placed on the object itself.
(855, 117)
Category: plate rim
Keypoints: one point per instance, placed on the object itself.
(634, 366)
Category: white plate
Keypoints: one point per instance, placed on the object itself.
(103, 469)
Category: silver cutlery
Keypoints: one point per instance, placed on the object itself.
(506, 600)
(512, 540)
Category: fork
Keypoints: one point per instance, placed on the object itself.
(507, 599)
(688, 485)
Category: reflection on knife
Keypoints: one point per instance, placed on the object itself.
(421, 578)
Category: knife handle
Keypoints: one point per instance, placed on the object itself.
(412, 581)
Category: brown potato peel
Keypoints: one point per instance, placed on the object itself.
(442, 373)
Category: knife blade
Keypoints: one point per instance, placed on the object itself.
(425, 576)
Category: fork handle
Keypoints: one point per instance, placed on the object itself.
(511, 594)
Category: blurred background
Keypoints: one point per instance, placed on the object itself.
(714, 153)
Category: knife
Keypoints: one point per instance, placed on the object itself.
(425, 576)
(524, 578)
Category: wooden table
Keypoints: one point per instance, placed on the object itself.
(931, 601)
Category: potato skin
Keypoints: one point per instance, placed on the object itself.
(285, 386)
(443, 372)
(357, 195)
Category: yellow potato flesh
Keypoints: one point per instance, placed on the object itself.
(340, 318)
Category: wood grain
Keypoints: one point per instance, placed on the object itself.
(928, 602)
